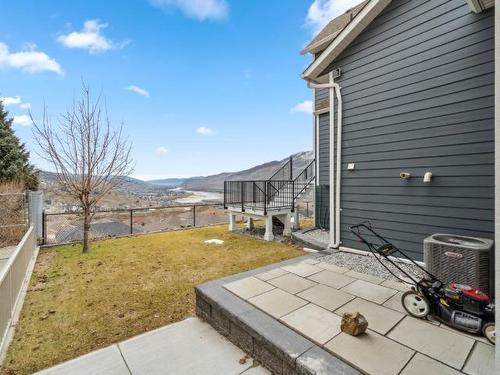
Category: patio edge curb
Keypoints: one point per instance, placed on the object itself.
(275, 346)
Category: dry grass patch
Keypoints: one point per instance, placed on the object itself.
(12, 220)
(78, 303)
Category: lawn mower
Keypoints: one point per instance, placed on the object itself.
(456, 305)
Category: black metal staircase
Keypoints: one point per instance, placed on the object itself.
(280, 192)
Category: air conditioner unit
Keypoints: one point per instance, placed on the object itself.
(464, 260)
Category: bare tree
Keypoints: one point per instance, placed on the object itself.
(90, 157)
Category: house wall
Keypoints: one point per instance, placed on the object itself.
(418, 96)
(497, 178)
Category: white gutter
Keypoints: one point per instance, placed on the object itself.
(316, 151)
(334, 90)
(475, 6)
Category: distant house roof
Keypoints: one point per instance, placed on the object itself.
(98, 229)
(332, 29)
(342, 30)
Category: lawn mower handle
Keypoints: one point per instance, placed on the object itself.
(375, 250)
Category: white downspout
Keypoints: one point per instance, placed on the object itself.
(333, 222)
(334, 90)
(316, 152)
(338, 167)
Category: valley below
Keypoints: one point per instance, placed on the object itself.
(135, 193)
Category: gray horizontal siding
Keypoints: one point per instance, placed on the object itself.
(418, 95)
(323, 149)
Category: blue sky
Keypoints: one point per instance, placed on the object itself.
(201, 86)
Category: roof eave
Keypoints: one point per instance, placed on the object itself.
(477, 6)
(319, 45)
(344, 38)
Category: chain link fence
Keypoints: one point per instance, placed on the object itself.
(13, 218)
(64, 227)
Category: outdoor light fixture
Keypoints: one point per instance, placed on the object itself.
(427, 177)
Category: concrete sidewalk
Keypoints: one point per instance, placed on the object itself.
(188, 347)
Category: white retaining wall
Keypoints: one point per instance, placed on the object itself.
(14, 278)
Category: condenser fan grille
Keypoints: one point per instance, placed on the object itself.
(463, 264)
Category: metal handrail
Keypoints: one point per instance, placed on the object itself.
(285, 172)
(269, 194)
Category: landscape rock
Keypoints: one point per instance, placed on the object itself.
(353, 324)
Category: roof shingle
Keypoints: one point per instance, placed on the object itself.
(332, 29)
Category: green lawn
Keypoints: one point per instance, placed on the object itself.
(78, 303)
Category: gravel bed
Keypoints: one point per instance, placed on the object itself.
(360, 263)
(319, 235)
(369, 265)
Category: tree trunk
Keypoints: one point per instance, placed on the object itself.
(86, 230)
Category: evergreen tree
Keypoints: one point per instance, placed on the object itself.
(14, 158)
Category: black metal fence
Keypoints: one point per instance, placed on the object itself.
(64, 227)
(305, 209)
(322, 208)
(262, 195)
(281, 191)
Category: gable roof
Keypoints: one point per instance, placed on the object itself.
(342, 30)
(332, 29)
(364, 15)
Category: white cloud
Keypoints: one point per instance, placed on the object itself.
(23, 120)
(28, 60)
(14, 100)
(323, 11)
(10, 100)
(305, 107)
(199, 9)
(161, 151)
(205, 131)
(90, 38)
(138, 90)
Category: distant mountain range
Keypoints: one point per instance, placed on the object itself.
(259, 172)
(207, 183)
(171, 182)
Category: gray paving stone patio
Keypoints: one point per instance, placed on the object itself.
(303, 269)
(248, 287)
(381, 319)
(333, 279)
(277, 302)
(420, 364)
(444, 345)
(277, 272)
(326, 297)
(363, 276)
(369, 291)
(395, 343)
(315, 322)
(292, 283)
(371, 352)
(188, 347)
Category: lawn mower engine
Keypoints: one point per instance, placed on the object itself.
(465, 308)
